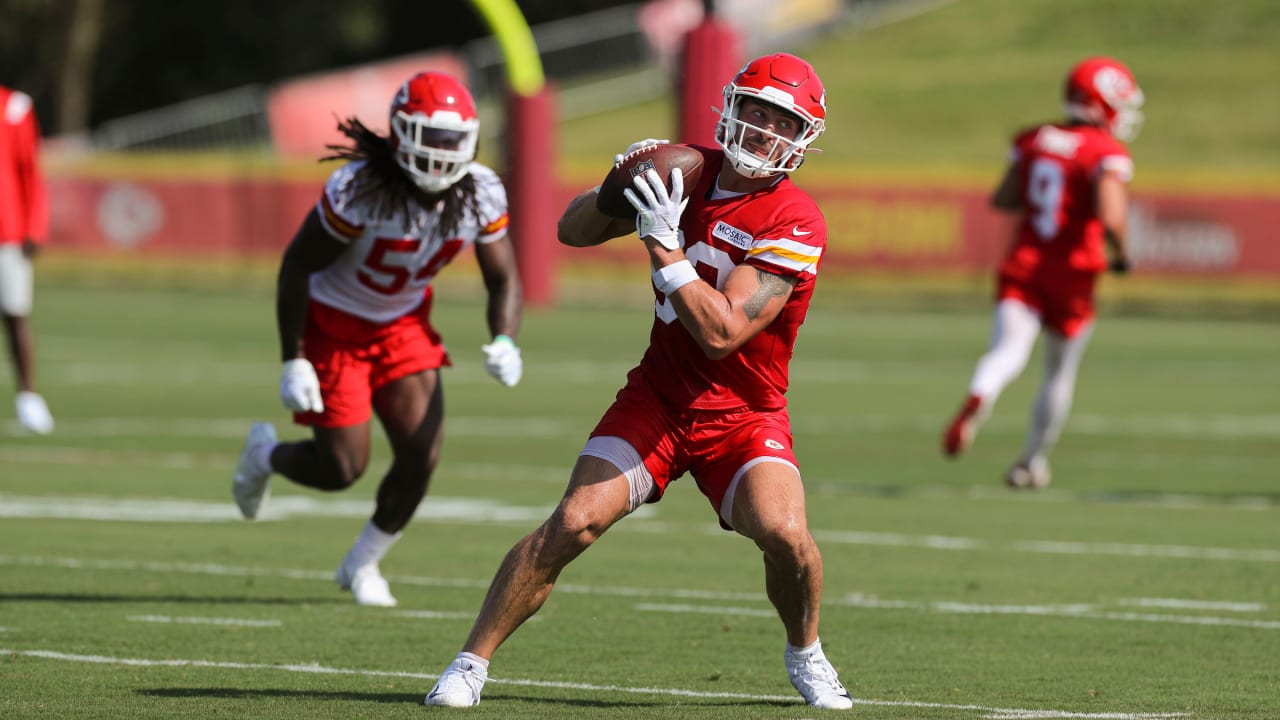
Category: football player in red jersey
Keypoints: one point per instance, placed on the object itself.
(24, 225)
(1067, 186)
(734, 263)
(353, 307)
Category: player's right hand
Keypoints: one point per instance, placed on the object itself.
(637, 145)
(657, 209)
(502, 360)
(1119, 266)
(299, 386)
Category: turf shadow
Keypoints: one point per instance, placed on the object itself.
(490, 698)
(243, 693)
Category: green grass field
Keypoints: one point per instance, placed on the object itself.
(1144, 584)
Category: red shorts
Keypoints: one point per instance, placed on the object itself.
(354, 357)
(714, 446)
(1064, 299)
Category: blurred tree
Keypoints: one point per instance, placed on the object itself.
(86, 61)
(74, 92)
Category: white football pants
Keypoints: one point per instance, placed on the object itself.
(1014, 330)
(15, 281)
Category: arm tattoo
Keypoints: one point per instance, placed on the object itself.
(771, 286)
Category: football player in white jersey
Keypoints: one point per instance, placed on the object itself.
(353, 306)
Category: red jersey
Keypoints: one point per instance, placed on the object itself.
(778, 230)
(24, 205)
(1057, 167)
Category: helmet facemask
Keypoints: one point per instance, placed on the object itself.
(1126, 120)
(776, 153)
(1107, 97)
(434, 151)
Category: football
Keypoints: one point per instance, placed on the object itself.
(662, 158)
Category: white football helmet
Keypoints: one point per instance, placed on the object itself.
(434, 130)
(783, 81)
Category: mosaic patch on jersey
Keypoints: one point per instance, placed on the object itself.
(732, 235)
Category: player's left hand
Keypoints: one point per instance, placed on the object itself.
(638, 145)
(658, 211)
(502, 360)
(299, 387)
(1119, 266)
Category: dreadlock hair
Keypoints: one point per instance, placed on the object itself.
(382, 179)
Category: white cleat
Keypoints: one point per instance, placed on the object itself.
(366, 584)
(818, 683)
(1034, 474)
(251, 484)
(33, 413)
(459, 685)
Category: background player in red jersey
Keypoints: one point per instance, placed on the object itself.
(733, 273)
(24, 225)
(1067, 184)
(353, 306)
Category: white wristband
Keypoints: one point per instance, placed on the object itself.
(671, 278)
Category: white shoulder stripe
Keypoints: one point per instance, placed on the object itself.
(793, 246)
(1120, 165)
(788, 264)
(17, 108)
(783, 257)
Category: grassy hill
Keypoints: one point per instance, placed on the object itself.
(935, 97)
(940, 93)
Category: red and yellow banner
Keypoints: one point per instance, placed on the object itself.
(890, 229)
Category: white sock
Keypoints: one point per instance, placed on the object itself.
(475, 659)
(804, 653)
(371, 545)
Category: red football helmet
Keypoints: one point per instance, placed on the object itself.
(434, 129)
(1101, 91)
(783, 81)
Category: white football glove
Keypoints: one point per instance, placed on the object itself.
(502, 360)
(657, 212)
(637, 145)
(299, 387)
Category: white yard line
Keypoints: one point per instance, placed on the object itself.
(437, 615)
(235, 622)
(986, 712)
(235, 428)
(707, 610)
(1179, 604)
(1200, 427)
(1214, 427)
(440, 508)
(172, 510)
(1091, 611)
(1051, 547)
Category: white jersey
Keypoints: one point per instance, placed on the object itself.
(391, 260)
